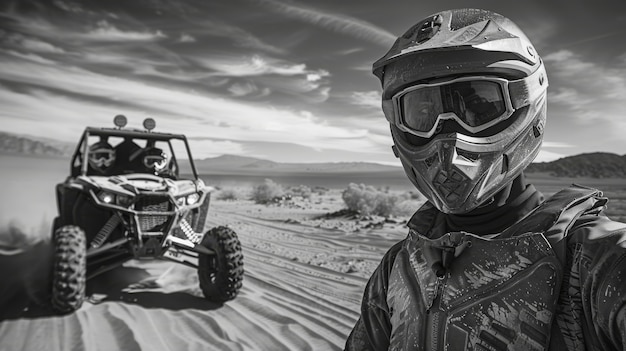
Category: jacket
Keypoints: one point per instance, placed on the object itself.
(555, 280)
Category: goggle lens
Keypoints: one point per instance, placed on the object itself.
(474, 103)
(155, 161)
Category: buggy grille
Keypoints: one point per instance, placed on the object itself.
(153, 222)
(178, 232)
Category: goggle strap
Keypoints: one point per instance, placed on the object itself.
(528, 89)
(388, 110)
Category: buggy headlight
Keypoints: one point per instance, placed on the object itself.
(188, 200)
(193, 198)
(107, 198)
(111, 198)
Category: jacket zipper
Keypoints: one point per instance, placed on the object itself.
(436, 317)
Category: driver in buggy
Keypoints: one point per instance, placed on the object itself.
(101, 157)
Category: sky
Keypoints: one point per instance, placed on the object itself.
(288, 81)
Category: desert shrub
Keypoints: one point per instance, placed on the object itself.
(301, 190)
(267, 192)
(368, 200)
(228, 194)
(320, 190)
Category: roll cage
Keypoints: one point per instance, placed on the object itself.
(78, 167)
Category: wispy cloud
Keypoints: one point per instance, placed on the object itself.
(29, 44)
(270, 74)
(239, 37)
(106, 31)
(547, 156)
(590, 91)
(367, 98)
(75, 93)
(186, 38)
(247, 89)
(338, 23)
(256, 65)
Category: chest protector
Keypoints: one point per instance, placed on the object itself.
(465, 292)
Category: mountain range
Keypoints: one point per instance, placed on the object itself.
(592, 165)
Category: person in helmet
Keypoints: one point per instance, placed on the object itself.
(151, 159)
(101, 157)
(488, 264)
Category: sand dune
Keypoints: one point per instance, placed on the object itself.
(302, 288)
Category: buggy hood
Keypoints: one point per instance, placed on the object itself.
(133, 184)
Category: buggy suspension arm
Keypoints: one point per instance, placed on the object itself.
(105, 231)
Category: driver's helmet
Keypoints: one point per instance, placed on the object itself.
(155, 159)
(465, 94)
(101, 156)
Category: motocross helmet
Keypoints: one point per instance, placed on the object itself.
(465, 94)
(155, 160)
(101, 156)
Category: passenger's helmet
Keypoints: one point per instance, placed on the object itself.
(155, 160)
(101, 156)
(465, 94)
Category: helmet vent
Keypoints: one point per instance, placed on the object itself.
(466, 17)
(471, 156)
(505, 164)
(424, 30)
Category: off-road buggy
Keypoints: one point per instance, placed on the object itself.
(135, 194)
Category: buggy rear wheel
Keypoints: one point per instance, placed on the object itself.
(221, 275)
(69, 269)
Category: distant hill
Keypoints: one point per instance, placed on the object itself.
(25, 145)
(250, 165)
(592, 165)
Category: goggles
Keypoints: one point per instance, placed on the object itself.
(157, 162)
(102, 157)
(475, 103)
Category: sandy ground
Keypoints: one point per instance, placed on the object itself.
(304, 276)
(305, 271)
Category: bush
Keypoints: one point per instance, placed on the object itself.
(228, 194)
(301, 190)
(267, 192)
(368, 200)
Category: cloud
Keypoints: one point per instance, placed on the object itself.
(367, 99)
(186, 38)
(590, 92)
(75, 93)
(548, 156)
(239, 37)
(338, 23)
(247, 89)
(105, 31)
(29, 44)
(256, 65)
(271, 75)
(71, 7)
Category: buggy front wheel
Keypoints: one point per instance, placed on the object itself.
(69, 269)
(221, 274)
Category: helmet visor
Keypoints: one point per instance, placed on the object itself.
(475, 103)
